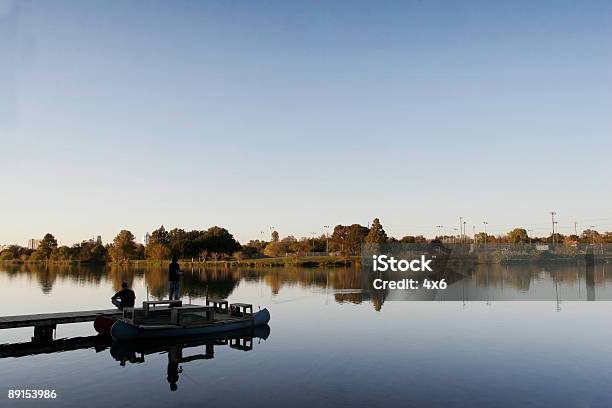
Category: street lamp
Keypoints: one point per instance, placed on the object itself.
(592, 227)
(439, 227)
(552, 215)
(326, 238)
(485, 233)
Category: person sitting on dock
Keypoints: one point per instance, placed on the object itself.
(124, 298)
(174, 277)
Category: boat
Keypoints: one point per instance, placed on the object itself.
(170, 318)
(103, 324)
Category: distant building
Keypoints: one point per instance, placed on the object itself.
(146, 239)
(33, 243)
(99, 239)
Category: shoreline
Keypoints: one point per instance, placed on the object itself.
(318, 261)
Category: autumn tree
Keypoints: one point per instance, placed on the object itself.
(90, 252)
(273, 249)
(377, 234)
(590, 235)
(62, 253)
(158, 246)
(13, 252)
(517, 235)
(47, 245)
(123, 247)
(348, 238)
(157, 251)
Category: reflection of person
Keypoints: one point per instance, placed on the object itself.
(174, 277)
(124, 298)
(174, 357)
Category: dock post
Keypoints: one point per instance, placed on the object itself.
(43, 333)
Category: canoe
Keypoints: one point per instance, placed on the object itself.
(122, 330)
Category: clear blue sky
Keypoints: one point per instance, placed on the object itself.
(251, 114)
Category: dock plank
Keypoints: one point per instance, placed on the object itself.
(49, 319)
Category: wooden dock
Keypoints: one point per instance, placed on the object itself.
(52, 319)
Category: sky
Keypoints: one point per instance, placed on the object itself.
(295, 115)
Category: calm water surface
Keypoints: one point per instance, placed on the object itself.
(330, 343)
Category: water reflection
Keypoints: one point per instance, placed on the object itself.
(327, 349)
(466, 282)
(175, 349)
(134, 352)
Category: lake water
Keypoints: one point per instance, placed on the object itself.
(331, 342)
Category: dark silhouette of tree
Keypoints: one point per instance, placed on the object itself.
(160, 236)
(217, 239)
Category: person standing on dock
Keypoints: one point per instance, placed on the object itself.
(124, 298)
(174, 276)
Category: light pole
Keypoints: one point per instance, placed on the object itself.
(464, 233)
(454, 235)
(592, 227)
(474, 234)
(485, 232)
(326, 238)
(461, 230)
(313, 238)
(552, 216)
(439, 227)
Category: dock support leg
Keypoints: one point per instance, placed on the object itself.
(43, 333)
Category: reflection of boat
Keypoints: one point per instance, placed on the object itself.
(172, 319)
(123, 349)
(134, 351)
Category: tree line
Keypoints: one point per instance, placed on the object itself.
(217, 243)
(213, 243)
